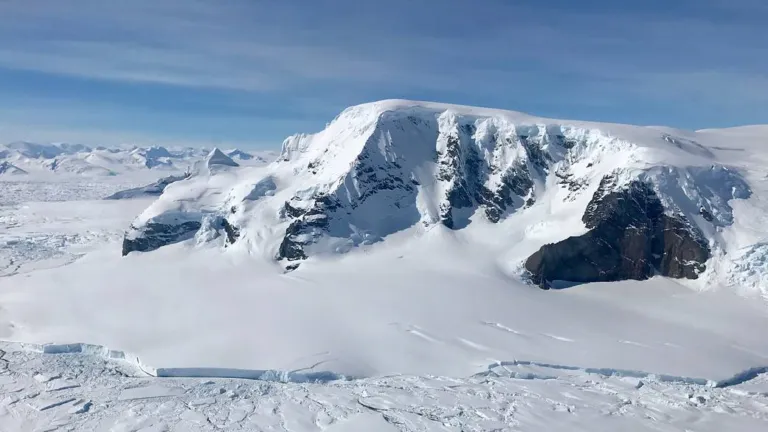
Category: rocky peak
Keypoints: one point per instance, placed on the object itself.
(635, 233)
(217, 158)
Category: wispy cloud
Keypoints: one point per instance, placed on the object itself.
(47, 133)
(110, 123)
(275, 45)
(550, 57)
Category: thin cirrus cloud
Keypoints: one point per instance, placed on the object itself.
(192, 43)
(686, 63)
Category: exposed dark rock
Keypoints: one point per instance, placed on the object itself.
(706, 214)
(467, 174)
(291, 250)
(530, 201)
(389, 182)
(630, 237)
(289, 211)
(569, 181)
(516, 183)
(683, 249)
(306, 228)
(312, 166)
(373, 178)
(538, 156)
(451, 169)
(156, 235)
(564, 142)
(233, 233)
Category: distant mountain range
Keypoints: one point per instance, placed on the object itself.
(25, 158)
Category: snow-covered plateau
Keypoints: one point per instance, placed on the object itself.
(414, 266)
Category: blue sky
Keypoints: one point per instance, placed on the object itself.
(250, 72)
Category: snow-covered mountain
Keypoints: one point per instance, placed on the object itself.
(417, 233)
(217, 158)
(243, 156)
(80, 160)
(556, 200)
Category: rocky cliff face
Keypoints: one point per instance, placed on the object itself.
(418, 168)
(630, 237)
(152, 236)
(496, 184)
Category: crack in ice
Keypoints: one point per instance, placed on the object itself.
(299, 376)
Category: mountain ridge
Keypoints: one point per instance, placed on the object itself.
(80, 160)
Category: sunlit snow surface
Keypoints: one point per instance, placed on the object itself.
(433, 334)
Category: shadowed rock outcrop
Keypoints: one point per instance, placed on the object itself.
(308, 225)
(630, 237)
(156, 235)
